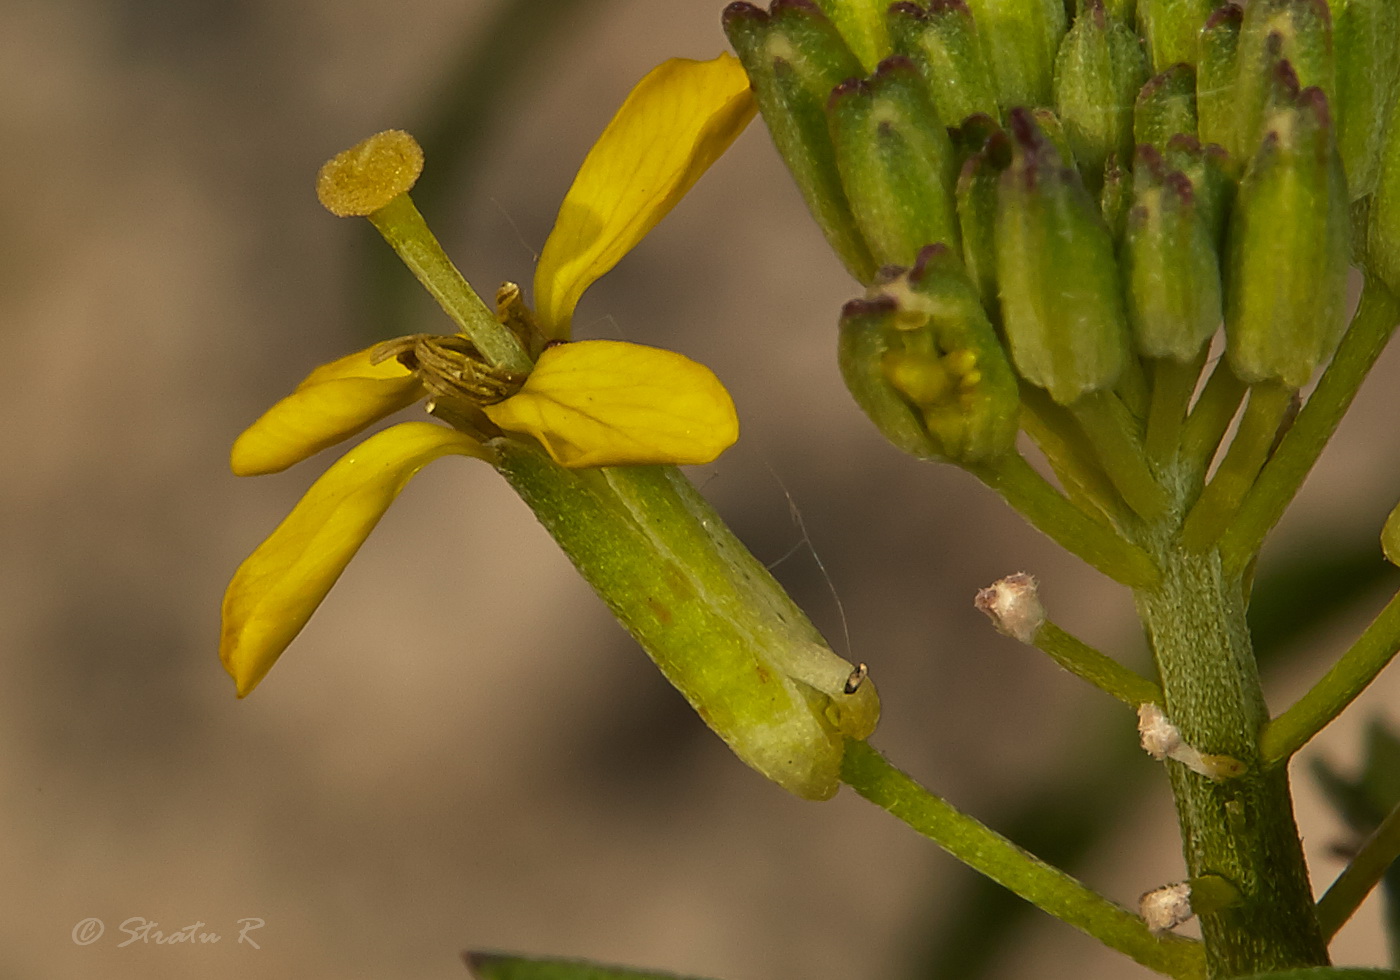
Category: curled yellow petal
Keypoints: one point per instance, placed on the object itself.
(335, 401)
(674, 124)
(275, 591)
(611, 403)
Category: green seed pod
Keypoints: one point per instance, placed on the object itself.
(706, 611)
(943, 42)
(1366, 39)
(1217, 71)
(1296, 31)
(1171, 29)
(896, 162)
(1166, 107)
(1171, 270)
(1288, 249)
(1383, 229)
(1021, 38)
(923, 361)
(862, 24)
(1098, 72)
(794, 57)
(1061, 303)
(977, 212)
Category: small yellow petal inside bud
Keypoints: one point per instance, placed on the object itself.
(361, 180)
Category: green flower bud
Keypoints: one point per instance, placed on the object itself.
(1383, 229)
(1390, 537)
(1206, 168)
(977, 207)
(1061, 303)
(1021, 38)
(1216, 74)
(923, 361)
(1098, 72)
(1171, 29)
(1296, 31)
(862, 24)
(1165, 107)
(943, 42)
(896, 162)
(1366, 38)
(1288, 250)
(794, 57)
(1171, 270)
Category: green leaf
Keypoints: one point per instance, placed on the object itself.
(501, 966)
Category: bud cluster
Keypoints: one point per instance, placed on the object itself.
(1069, 200)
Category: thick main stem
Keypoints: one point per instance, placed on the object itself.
(1240, 829)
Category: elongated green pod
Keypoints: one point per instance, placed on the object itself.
(944, 43)
(1289, 249)
(794, 56)
(1021, 38)
(706, 611)
(896, 162)
(1061, 302)
(922, 360)
(1098, 73)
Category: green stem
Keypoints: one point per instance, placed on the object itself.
(1099, 669)
(1049, 512)
(404, 229)
(1360, 876)
(1173, 384)
(1268, 406)
(1299, 449)
(1048, 888)
(1070, 455)
(1208, 423)
(1241, 829)
(1111, 428)
(1349, 676)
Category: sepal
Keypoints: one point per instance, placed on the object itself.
(944, 43)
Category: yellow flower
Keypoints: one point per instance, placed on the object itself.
(588, 403)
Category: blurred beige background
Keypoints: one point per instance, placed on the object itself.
(462, 750)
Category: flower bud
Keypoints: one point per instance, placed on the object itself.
(1366, 37)
(923, 361)
(1166, 107)
(1021, 38)
(1216, 74)
(1296, 31)
(944, 43)
(794, 57)
(977, 212)
(1288, 249)
(1061, 303)
(1383, 229)
(1115, 198)
(1098, 72)
(1171, 269)
(896, 162)
(1205, 167)
(1171, 28)
(1390, 537)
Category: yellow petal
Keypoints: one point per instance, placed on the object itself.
(335, 401)
(677, 121)
(610, 403)
(275, 591)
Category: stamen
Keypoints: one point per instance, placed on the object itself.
(450, 367)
